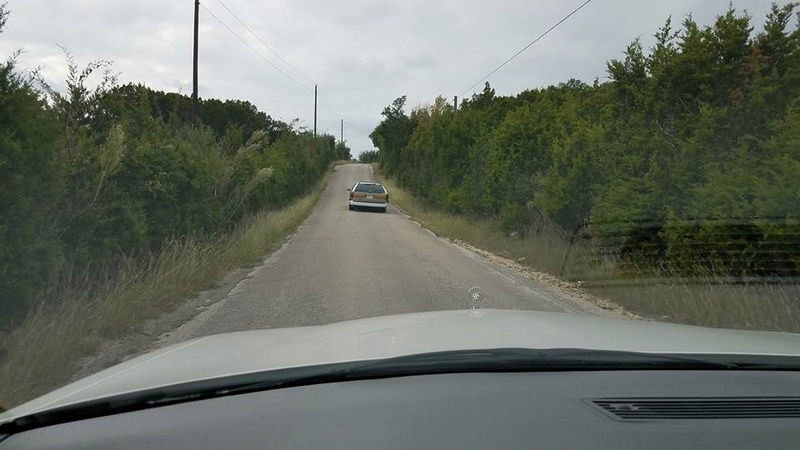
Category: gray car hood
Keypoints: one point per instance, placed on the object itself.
(390, 336)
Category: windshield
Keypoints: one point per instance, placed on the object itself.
(175, 170)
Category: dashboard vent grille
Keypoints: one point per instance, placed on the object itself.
(700, 408)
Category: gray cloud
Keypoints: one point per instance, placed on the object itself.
(363, 53)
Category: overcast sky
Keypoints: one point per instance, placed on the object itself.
(362, 53)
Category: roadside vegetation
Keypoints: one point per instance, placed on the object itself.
(673, 188)
(706, 300)
(44, 351)
(368, 157)
(115, 204)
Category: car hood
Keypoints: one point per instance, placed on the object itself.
(390, 336)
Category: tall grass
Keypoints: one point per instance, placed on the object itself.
(706, 300)
(546, 252)
(44, 351)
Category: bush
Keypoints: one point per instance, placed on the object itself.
(514, 219)
(103, 174)
(688, 156)
(368, 157)
(30, 253)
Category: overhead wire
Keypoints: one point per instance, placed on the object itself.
(263, 58)
(528, 46)
(250, 30)
(322, 101)
(333, 115)
(327, 108)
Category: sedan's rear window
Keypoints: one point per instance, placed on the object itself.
(370, 188)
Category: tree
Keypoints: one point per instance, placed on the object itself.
(368, 156)
(690, 145)
(343, 152)
(100, 175)
(30, 254)
(392, 135)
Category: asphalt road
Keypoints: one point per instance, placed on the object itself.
(345, 264)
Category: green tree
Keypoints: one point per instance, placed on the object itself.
(102, 174)
(368, 156)
(687, 157)
(392, 135)
(30, 254)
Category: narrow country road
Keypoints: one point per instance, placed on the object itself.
(345, 264)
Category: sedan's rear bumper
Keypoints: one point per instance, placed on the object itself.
(368, 204)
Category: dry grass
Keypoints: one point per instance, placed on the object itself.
(546, 252)
(709, 302)
(44, 351)
(706, 301)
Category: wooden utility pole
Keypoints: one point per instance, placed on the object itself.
(194, 60)
(455, 103)
(315, 110)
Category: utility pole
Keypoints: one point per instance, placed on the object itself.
(315, 110)
(455, 103)
(194, 59)
(341, 139)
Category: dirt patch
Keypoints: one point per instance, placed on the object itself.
(573, 289)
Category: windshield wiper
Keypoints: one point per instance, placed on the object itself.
(461, 361)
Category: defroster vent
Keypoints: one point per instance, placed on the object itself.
(699, 408)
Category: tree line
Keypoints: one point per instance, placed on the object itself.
(686, 159)
(103, 173)
(368, 157)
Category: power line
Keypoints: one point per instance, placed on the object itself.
(253, 49)
(527, 46)
(264, 43)
(333, 115)
(327, 108)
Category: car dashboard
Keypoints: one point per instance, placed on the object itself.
(592, 409)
